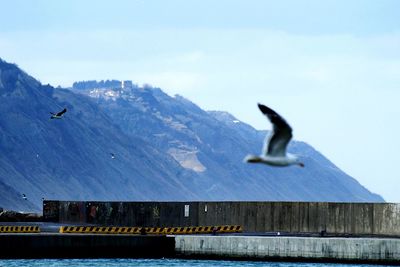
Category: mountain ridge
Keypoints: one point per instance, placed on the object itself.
(166, 148)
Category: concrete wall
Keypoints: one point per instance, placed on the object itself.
(367, 250)
(295, 217)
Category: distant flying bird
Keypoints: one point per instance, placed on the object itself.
(112, 155)
(58, 115)
(24, 197)
(274, 150)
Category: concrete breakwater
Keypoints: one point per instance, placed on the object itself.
(292, 217)
(317, 231)
(282, 248)
(361, 250)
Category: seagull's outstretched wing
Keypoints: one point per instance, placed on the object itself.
(275, 144)
(61, 112)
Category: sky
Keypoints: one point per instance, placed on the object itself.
(330, 68)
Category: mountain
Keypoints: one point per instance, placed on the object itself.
(164, 148)
(213, 145)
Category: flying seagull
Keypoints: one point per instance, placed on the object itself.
(274, 150)
(58, 115)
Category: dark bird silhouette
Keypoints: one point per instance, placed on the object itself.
(274, 150)
(58, 115)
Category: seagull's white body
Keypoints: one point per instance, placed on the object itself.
(274, 150)
(55, 117)
(289, 159)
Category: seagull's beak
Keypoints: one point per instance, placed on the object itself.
(301, 164)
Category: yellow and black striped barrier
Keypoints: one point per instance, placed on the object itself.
(151, 230)
(19, 229)
(100, 230)
(202, 229)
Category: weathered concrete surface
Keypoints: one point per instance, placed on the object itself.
(84, 246)
(294, 217)
(367, 250)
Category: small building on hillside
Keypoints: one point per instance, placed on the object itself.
(126, 84)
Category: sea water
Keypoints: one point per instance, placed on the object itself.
(159, 262)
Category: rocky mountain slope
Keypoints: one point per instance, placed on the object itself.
(213, 144)
(165, 148)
